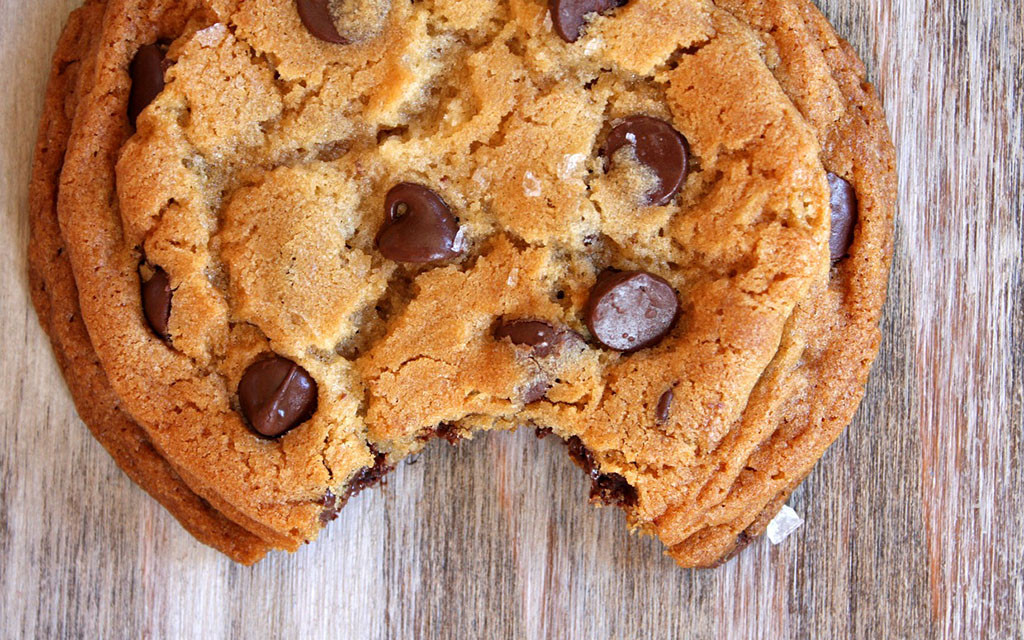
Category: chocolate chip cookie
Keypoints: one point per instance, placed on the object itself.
(306, 237)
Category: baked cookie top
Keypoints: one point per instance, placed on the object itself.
(317, 234)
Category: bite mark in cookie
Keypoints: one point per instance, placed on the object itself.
(364, 479)
(605, 488)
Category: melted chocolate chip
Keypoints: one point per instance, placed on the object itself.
(419, 227)
(658, 146)
(630, 310)
(605, 488)
(449, 432)
(664, 406)
(743, 540)
(331, 507)
(535, 391)
(581, 455)
(369, 476)
(276, 396)
(316, 17)
(363, 479)
(156, 302)
(147, 74)
(612, 489)
(533, 333)
(569, 16)
(843, 202)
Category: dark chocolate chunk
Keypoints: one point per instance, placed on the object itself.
(316, 17)
(843, 202)
(533, 333)
(664, 406)
(658, 146)
(147, 74)
(569, 16)
(156, 302)
(418, 227)
(276, 396)
(630, 310)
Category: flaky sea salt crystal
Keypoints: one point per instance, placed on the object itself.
(531, 185)
(459, 243)
(570, 163)
(212, 35)
(513, 277)
(785, 523)
(593, 45)
(481, 177)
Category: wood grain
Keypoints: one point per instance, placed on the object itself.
(914, 520)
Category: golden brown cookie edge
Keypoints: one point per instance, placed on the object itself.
(862, 278)
(55, 297)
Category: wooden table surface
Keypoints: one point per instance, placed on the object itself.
(914, 519)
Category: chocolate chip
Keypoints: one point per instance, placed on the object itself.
(535, 391)
(533, 333)
(147, 74)
(343, 21)
(569, 16)
(630, 310)
(843, 202)
(156, 302)
(658, 146)
(418, 227)
(664, 406)
(316, 17)
(276, 396)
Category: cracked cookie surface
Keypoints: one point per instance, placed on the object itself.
(258, 178)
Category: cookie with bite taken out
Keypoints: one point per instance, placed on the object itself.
(306, 237)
